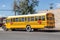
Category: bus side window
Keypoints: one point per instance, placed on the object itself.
(40, 17)
(36, 18)
(32, 18)
(13, 20)
(28, 18)
(16, 19)
(22, 19)
(25, 18)
(43, 18)
(19, 19)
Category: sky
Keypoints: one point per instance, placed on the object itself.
(8, 5)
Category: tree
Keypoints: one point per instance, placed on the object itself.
(15, 7)
(27, 6)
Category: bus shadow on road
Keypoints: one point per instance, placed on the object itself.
(40, 31)
(48, 31)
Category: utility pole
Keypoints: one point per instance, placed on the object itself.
(15, 7)
(51, 6)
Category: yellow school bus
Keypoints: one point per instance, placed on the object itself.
(29, 22)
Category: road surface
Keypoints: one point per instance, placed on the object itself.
(22, 35)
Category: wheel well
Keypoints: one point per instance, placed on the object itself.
(27, 25)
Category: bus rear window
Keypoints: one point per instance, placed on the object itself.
(50, 18)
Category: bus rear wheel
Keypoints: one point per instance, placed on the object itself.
(28, 28)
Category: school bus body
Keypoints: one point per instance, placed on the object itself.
(22, 21)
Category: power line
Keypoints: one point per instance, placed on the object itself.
(6, 10)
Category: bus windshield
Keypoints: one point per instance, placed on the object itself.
(4, 21)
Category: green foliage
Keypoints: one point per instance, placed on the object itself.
(27, 6)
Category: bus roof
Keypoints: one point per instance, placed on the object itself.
(27, 15)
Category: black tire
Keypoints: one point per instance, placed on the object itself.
(35, 29)
(28, 28)
(13, 30)
(4, 28)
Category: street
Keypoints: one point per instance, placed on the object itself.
(22, 35)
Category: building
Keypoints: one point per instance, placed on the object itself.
(1, 20)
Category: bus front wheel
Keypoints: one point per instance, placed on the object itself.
(4, 28)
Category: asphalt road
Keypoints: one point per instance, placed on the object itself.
(22, 35)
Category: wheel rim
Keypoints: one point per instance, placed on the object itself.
(28, 28)
(5, 28)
